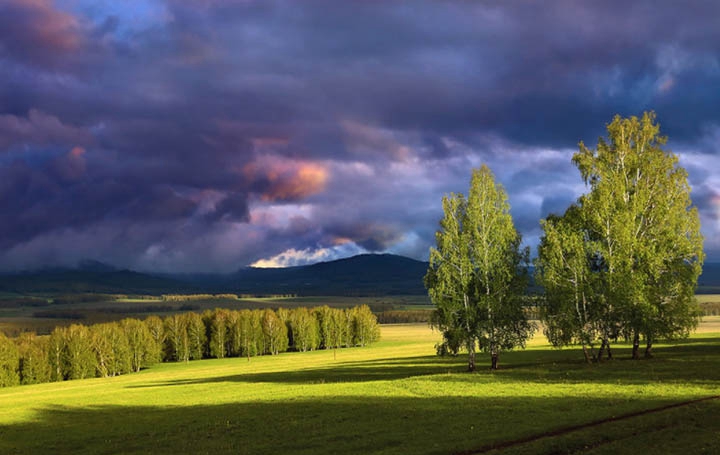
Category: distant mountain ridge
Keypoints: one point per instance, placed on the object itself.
(362, 275)
(367, 274)
(709, 281)
(83, 280)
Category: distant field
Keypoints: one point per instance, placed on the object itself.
(394, 397)
(20, 313)
(709, 304)
(18, 316)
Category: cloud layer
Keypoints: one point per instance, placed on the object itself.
(205, 136)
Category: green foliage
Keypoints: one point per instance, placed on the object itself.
(248, 332)
(9, 362)
(56, 350)
(305, 329)
(284, 315)
(476, 276)
(112, 350)
(196, 336)
(572, 310)
(79, 359)
(189, 297)
(34, 361)
(323, 315)
(177, 344)
(403, 316)
(274, 332)
(365, 327)
(337, 328)
(233, 330)
(625, 260)
(142, 346)
(156, 327)
(218, 339)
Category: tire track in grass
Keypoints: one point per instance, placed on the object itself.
(570, 429)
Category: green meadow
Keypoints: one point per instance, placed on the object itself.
(395, 396)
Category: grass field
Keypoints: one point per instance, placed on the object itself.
(393, 397)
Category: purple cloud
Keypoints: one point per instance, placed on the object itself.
(204, 136)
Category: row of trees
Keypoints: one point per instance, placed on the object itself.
(115, 348)
(623, 261)
(186, 297)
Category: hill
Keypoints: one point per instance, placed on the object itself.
(105, 280)
(709, 281)
(362, 275)
(369, 274)
(366, 274)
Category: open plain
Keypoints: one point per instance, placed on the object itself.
(393, 397)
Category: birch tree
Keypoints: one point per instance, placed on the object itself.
(9, 362)
(476, 276)
(34, 360)
(142, 345)
(643, 228)
(570, 309)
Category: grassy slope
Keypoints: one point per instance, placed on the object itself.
(394, 397)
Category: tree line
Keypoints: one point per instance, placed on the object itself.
(115, 348)
(186, 297)
(622, 262)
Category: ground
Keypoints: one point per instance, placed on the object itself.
(392, 397)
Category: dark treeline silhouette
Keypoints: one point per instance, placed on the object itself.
(403, 316)
(114, 348)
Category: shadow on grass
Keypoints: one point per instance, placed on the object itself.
(363, 371)
(355, 424)
(688, 362)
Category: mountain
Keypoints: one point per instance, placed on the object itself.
(90, 278)
(365, 274)
(709, 281)
(369, 274)
(91, 265)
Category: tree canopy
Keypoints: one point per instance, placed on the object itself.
(476, 277)
(623, 261)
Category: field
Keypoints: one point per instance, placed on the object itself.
(41, 314)
(392, 397)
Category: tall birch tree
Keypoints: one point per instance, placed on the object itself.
(476, 276)
(643, 228)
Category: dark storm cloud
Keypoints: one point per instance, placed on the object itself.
(37, 128)
(208, 134)
(34, 32)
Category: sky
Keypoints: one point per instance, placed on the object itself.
(208, 135)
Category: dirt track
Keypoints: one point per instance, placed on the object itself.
(566, 430)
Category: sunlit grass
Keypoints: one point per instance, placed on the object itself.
(392, 397)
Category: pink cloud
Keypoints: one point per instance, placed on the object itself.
(37, 26)
(281, 179)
